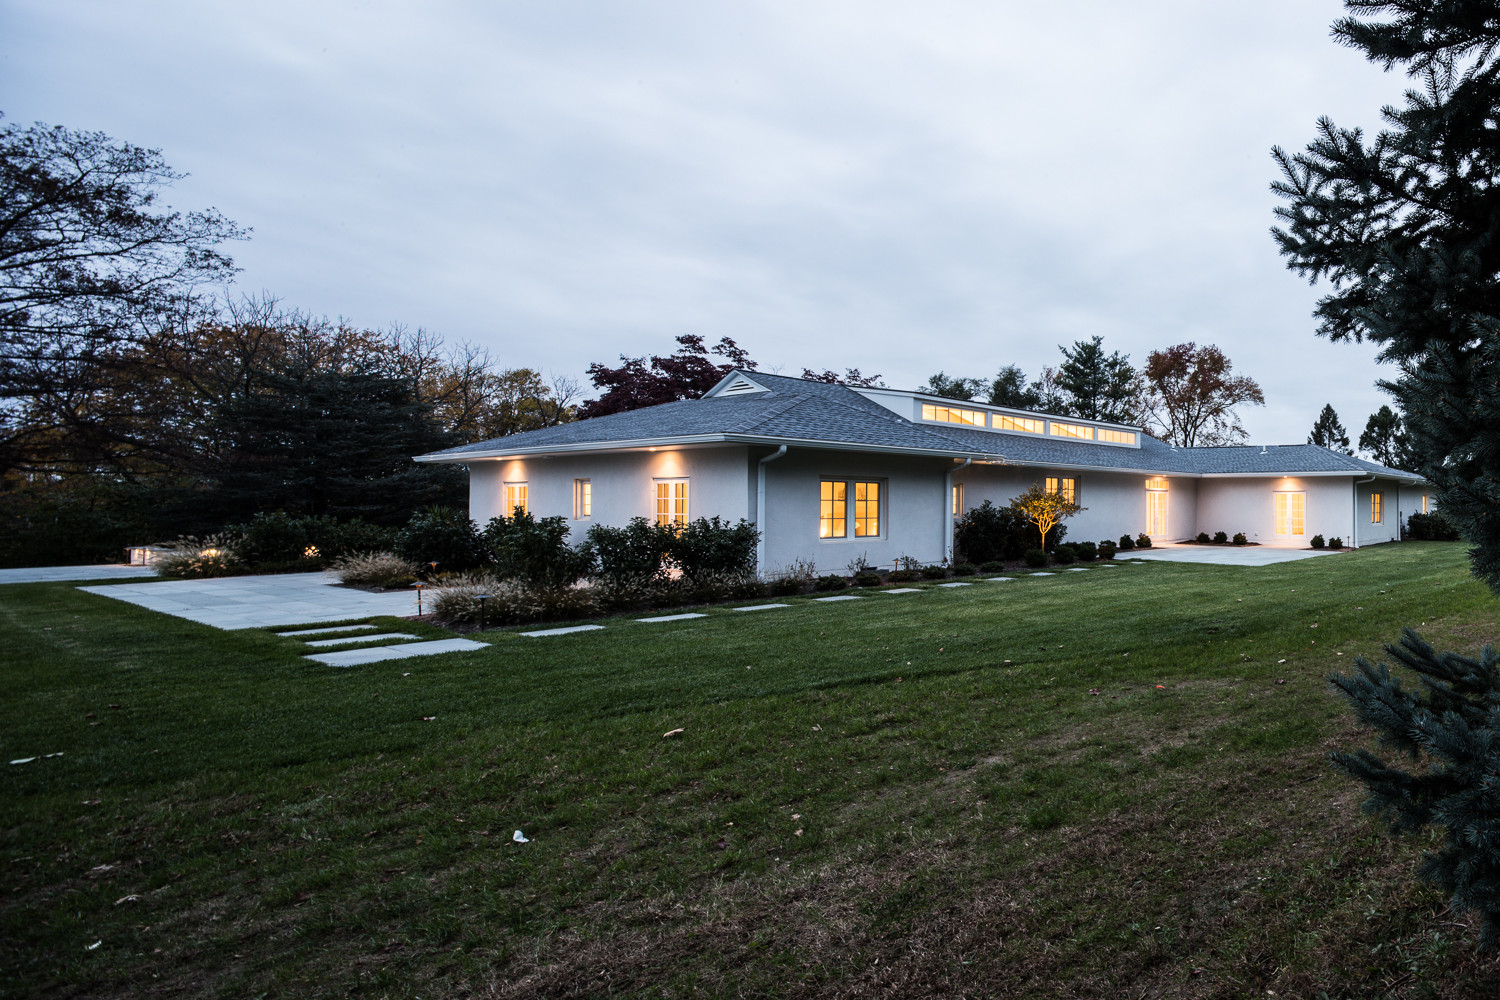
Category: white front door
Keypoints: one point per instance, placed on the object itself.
(1156, 514)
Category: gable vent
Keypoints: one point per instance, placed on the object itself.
(739, 387)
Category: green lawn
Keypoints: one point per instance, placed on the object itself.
(1095, 784)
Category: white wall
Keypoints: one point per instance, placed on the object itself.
(1115, 502)
(1411, 500)
(1248, 504)
(912, 514)
(623, 487)
(1389, 528)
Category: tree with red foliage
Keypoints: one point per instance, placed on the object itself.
(687, 374)
(1189, 396)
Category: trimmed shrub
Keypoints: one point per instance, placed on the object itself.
(636, 551)
(536, 552)
(1126, 543)
(441, 535)
(376, 569)
(1240, 539)
(1143, 541)
(511, 602)
(1035, 558)
(1065, 554)
(1432, 527)
(992, 567)
(965, 569)
(786, 586)
(1087, 551)
(1106, 549)
(1220, 538)
(831, 582)
(711, 585)
(713, 546)
(934, 572)
(991, 534)
(902, 576)
(1317, 542)
(867, 579)
(1202, 538)
(192, 559)
(1335, 543)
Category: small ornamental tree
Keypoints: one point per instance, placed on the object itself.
(1044, 509)
(1451, 720)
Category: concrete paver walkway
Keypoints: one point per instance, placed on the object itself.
(53, 574)
(259, 601)
(1228, 555)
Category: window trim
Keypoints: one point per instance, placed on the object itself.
(851, 503)
(672, 516)
(1066, 486)
(1377, 507)
(583, 499)
(523, 487)
(1075, 432)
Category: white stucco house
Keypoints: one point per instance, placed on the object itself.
(832, 472)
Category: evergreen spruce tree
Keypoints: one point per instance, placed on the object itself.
(1098, 386)
(1328, 431)
(1405, 231)
(1453, 721)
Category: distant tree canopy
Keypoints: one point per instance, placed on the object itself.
(687, 373)
(1097, 386)
(1328, 431)
(1385, 440)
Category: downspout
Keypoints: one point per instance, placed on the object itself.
(1354, 525)
(948, 510)
(760, 509)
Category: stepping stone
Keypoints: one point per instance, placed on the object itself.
(356, 657)
(324, 631)
(998, 579)
(901, 590)
(1078, 569)
(1044, 574)
(841, 597)
(1108, 565)
(671, 618)
(564, 631)
(954, 585)
(761, 607)
(343, 639)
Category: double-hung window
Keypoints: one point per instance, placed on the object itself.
(1377, 507)
(517, 495)
(672, 502)
(837, 496)
(1065, 488)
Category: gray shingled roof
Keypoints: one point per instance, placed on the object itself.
(801, 410)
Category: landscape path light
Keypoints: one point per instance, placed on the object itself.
(481, 598)
(419, 585)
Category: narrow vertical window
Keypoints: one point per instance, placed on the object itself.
(958, 499)
(1377, 502)
(833, 509)
(672, 501)
(1424, 504)
(517, 495)
(866, 509)
(1156, 508)
(583, 499)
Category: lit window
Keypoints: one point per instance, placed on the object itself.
(866, 510)
(1067, 488)
(1156, 484)
(1030, 425)
(953, 415)
(1376, 503)
(833, 508)
(672, 501)
(583, 498)
(1156, 513)
(1424, 504)
(1116, 437)
(958, 499)
(1290, 511)
(1072, 431)
(516, 496)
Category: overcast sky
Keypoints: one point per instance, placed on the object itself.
(897, 187)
